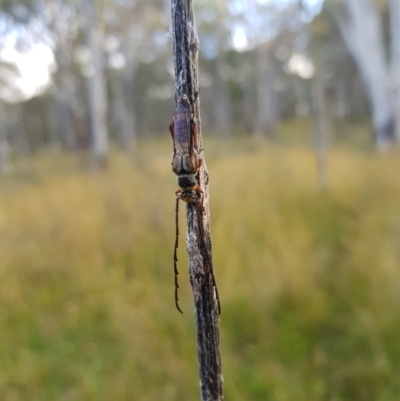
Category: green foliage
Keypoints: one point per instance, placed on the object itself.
(308, 281)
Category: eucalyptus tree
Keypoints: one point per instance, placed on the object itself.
(394, 11)
(223, 108)
(215, 23)
(69, 107)
(4, 148)
(20, 30)
(361, 28)
(268, 31)
(136, 33)
(96, 98)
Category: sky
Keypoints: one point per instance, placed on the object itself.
(240, 39)
(35, 67)
(29, 51)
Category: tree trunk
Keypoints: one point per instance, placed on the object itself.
(222, 101)
(120, 113)
(4, 146)
(66, 104)
(222, 104)
(248, 101)
(266, 107)
(64, 117)
(128, 74)
(321, 129)
(19, 133)
(66, 94)
(96, 90)
(395, 64)
(342, 99)
(363, 36)
(50, 121)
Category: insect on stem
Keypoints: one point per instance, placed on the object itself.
(186, 163)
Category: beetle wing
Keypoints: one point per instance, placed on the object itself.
(193, 135)
(182, 126)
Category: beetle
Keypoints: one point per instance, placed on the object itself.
(185, 159)
(186, 163)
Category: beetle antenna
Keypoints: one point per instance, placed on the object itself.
(176, 254)
(200, 208)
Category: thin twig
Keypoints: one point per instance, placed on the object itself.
(198, 241)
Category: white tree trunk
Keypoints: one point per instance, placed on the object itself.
(65, 99)
(395, 63)
(248, 101)
(266, 106)
(321, 129)
(343, 105)
(96, 90)
(66, 104)
(130, 51)
(222, 106)
(119, 111)
(4, 146)
(222, 109)
(364, 38)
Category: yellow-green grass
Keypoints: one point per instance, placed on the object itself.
(309, 281)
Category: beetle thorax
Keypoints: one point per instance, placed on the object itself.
(187, 181)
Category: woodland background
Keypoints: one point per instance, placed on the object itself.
(300, 106)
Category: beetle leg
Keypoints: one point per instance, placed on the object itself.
(201, 192)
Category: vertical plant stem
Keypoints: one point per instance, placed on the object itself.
(198, 241)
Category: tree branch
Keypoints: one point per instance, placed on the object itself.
(198, 241)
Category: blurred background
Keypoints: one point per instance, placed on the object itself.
(300, 108)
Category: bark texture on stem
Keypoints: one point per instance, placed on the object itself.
(185, 48)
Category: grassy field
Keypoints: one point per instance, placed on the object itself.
(309, 281)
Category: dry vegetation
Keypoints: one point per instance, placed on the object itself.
(309, 282)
